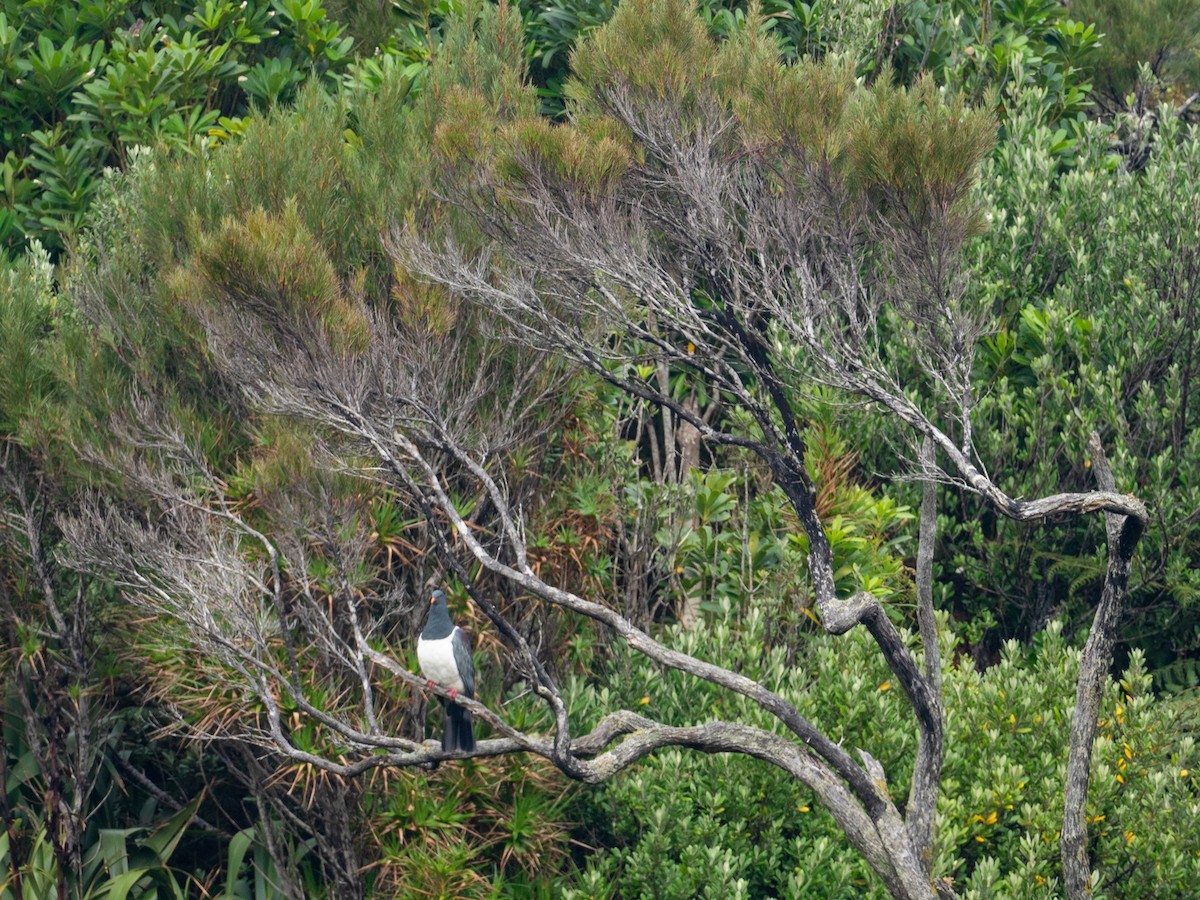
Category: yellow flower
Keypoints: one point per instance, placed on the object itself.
(644, 701)
(1129, 837)
(1120, 780)
(981, 840)
(1183, 773)
(991, 819)
(886, 686)
(803, 809)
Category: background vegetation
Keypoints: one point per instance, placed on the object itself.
(158, 155)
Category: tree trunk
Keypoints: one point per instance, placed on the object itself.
(687, 436)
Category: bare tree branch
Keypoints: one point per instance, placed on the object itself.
(1123, 532)
(922, 796)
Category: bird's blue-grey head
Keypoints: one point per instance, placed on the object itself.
(438, 625)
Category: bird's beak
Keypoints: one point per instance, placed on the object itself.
(432, 600)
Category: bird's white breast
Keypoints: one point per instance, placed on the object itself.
(437, 662)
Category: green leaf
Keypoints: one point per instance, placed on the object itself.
(166, 838)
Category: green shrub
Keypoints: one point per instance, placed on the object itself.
(685, 825)
(1092, 275)
(83, 85)
(963, 45)
(1162, 35)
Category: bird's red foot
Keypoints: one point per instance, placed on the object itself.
(430, 683)
(453, 693)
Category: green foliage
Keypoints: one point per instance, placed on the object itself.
(1006, 47)
(553, 28)
(27, 318)
(916, 153)
(114, 859)
(491, 828)
(83, 85)
(1011, 720)
(275, 266)
(733, 542)
(1077, 263)
(237, 226)
(684, 825)
(82, 88)
(737, 827)
(111, 869)
(179, 235)
(973, 48)
(250, 872)
(1163, 35)
(1095, 287)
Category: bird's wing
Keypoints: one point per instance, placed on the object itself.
(464, 661)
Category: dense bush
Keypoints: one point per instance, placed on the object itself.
(83, 85)
(964, 45)
(1150, 51)
(172, 234)
(1093, 272)
(685, 826)
(1079, 259)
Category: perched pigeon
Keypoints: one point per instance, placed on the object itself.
(444, 654)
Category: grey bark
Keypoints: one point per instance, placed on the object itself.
(688, 437)
(922, 797)
(1123, 533)
(788, 297)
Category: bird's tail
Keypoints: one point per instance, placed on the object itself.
(460, 731)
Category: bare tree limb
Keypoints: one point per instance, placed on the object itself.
(1123, 533)
(922, 796)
